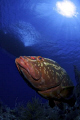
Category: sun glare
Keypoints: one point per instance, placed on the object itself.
(66, 8)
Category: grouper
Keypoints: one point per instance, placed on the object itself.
(47, 78)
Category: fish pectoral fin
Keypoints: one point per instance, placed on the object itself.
(66, 92)
(51, 103)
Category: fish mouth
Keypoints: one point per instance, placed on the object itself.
(22, 64)
(24, 72)
(25, 66)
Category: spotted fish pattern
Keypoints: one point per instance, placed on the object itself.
(47, 77)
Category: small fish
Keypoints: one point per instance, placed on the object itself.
(48, 79)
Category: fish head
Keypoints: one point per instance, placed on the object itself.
(38, 71)
(29, 66)
(31, 69)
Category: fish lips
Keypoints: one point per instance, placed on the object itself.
(20, 63)
(23, 64)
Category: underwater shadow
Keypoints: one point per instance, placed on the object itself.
(14, 46)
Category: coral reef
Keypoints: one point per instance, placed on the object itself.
(36, 110)
(6, 113)
(77, 87)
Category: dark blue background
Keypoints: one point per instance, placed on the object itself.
(31, 27)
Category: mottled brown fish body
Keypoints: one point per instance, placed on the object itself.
(45, 76)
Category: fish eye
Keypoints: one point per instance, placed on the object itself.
(40, 58)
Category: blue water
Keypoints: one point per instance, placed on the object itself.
(31, 27)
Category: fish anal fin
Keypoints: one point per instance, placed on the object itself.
(52, 103)
(59, 104)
